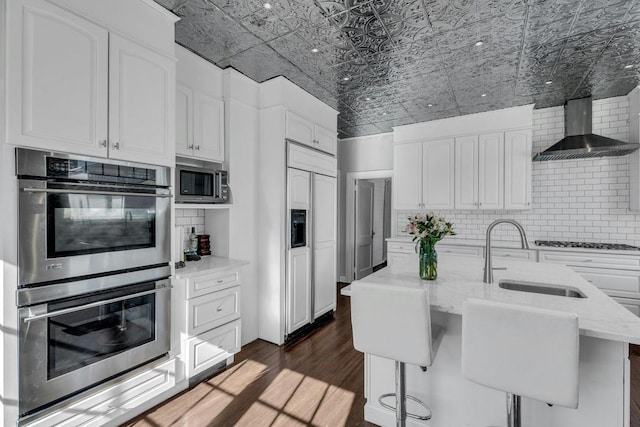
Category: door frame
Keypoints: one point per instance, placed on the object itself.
(351, 214)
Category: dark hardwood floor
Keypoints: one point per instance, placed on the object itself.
(316, 381)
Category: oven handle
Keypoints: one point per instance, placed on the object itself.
(98, 193)
(93, 304)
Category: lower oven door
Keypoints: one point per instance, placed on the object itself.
(72, 344)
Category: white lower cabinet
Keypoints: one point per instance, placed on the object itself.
(130, 396)
(210, 326)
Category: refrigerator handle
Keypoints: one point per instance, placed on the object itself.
(310, 241)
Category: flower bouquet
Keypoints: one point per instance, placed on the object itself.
(427, 230)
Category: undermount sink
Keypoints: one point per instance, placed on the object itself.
(541, 288)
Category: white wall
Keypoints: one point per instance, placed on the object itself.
(582, 200)
(367, 153)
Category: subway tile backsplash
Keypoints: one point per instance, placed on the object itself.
(582, 200)
(187, 218)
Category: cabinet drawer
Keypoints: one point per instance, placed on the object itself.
(517, 254)
(399, 257)
(474, 251)
(590, 260)
(633, 305)
(622, 283)
(215, 309)
(202, 285)
(405, 247)
(210, 348)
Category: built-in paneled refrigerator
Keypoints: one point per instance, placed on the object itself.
(310, 290)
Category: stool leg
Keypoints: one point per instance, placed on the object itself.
(401, 395)
(513, 410)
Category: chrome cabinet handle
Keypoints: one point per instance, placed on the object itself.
(103, 143)
(190, 147)
(116, 146)
(197, 147)
(220, 281)
(93, 304)
(219, 309)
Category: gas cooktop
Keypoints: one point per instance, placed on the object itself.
(587, 245)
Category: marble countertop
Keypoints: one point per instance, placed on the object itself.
(460, 278)
(516, 245)
(208, 264)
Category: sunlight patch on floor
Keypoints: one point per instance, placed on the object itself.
(237, 378)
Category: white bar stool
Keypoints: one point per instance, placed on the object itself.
(523, 351)
(395, 323)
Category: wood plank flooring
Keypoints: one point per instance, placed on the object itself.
(317, 381)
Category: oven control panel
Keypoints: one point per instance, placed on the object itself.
(96, 171)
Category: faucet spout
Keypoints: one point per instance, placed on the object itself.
(488, 265)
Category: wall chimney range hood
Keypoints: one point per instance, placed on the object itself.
(580, 142)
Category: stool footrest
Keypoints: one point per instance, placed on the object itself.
(410, 415)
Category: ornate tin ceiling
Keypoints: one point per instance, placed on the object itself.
(384, 63)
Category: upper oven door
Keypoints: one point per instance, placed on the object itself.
(72, 230)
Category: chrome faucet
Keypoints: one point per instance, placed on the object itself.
(488, 268)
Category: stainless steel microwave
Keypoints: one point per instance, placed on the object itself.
(200, 185)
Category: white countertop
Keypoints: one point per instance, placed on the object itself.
(208, 264)
(515, 245)
(460, 278)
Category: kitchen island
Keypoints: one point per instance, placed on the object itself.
(606, 329)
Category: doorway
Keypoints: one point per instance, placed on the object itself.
(368, 222)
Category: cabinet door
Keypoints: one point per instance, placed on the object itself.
(184, 120)
(57, 80)
(491, 171)
(517, 169)
(141, 104)
(466, 172)
(324, 244)
(299, 189)
(208, 127)
(325, 139)
(299, 129)
(633, 305)
(407, 176)
(298, 290)
(438, 174)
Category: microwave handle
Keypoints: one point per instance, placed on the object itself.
(218, 185)
(94, 304)
(98, 193)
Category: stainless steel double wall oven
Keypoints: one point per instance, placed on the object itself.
(93, 266)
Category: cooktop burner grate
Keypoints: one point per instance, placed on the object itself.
(587, 245)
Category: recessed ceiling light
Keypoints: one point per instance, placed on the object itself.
(429, 105)
(483, 95)
(367, 99)
(548, 82)
(345, 79)
(267, 5)
(628, 66)
(314, 50)
(479, 43)
(384, 114)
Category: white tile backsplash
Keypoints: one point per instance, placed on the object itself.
(187, 218)
(583, 200)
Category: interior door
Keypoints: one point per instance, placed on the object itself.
(324, 244)
(364, 229)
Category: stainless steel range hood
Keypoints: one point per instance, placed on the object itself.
(580, 142)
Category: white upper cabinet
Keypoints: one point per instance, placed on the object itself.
(517, 169)
(58, 80)
(407, 176)
(466, 187)
(423, 175)
(306, 132)
(199, 108)
(480, 171)
(141, 103)
(75, 87)
(184, 120)
(491, 171)
(438, 174)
